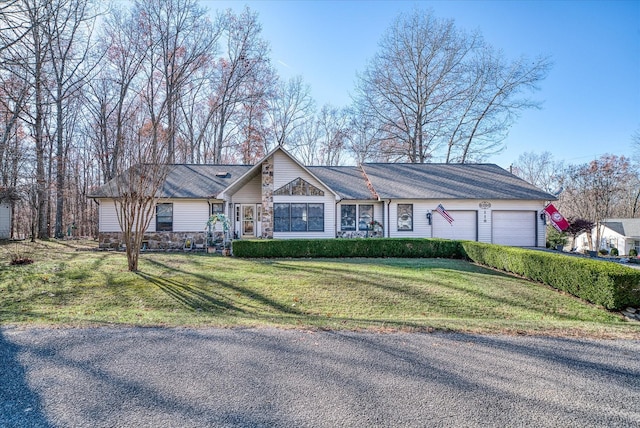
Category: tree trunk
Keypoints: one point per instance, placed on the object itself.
(60, 168)
(41, 182)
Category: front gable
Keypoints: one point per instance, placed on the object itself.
(282, 168)
(287, 169)
(279, 197)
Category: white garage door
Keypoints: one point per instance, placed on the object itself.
(464, 226)
(514, 228)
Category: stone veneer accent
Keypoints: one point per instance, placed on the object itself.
(267, 198)
(359, 234)
(155, 240)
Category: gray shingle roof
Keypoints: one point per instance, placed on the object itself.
(449, 181)
(193, 181)
(390, 181)
(346, 181)
(629, 227)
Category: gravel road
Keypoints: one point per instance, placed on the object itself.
(148, 377)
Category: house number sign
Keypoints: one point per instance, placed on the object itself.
(484, 205)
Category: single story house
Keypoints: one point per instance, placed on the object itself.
(620, 233)
(280, 198)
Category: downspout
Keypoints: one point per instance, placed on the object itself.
(389, 219)
(335, 223)
(537, 231)
(383, 218)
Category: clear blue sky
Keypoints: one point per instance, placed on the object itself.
(591, 98)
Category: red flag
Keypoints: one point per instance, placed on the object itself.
(557, 220)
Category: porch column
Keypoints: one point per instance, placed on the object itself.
(267, 198)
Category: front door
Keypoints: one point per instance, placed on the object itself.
(248, 220)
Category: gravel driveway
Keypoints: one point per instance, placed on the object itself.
(144, 377)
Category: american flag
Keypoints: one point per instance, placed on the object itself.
(444, 213)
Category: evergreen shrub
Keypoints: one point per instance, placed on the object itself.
(603, 283)
(356, 247)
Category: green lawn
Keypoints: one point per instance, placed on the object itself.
(78, 287)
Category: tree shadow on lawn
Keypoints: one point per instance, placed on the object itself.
(518, 297)
(201, 296)
(189, 295)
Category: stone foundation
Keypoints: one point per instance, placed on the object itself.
(176, 240)
(359, 234)
(157, 240)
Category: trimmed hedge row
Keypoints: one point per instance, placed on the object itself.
(607, 284)
(357, 247)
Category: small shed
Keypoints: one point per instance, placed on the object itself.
(8, 197)
(5, 220)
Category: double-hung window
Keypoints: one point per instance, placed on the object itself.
(348, 217)
(405, 217)
(365, 217)
(217, 208)
(164, 217)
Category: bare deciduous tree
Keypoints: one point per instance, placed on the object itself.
(244, 73)
(136, 190)
(112, 95)
(412, 80)
(434, 90)
(181, 40)
(31, 57)
(197, 111)
(69, 29)
(491, 102)
(539, 169)
(13, 23)
(252, 119)
(333, 124)
(365, 136)
(592, 190)
(290, 106)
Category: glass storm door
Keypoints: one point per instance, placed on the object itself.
(248, 219)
